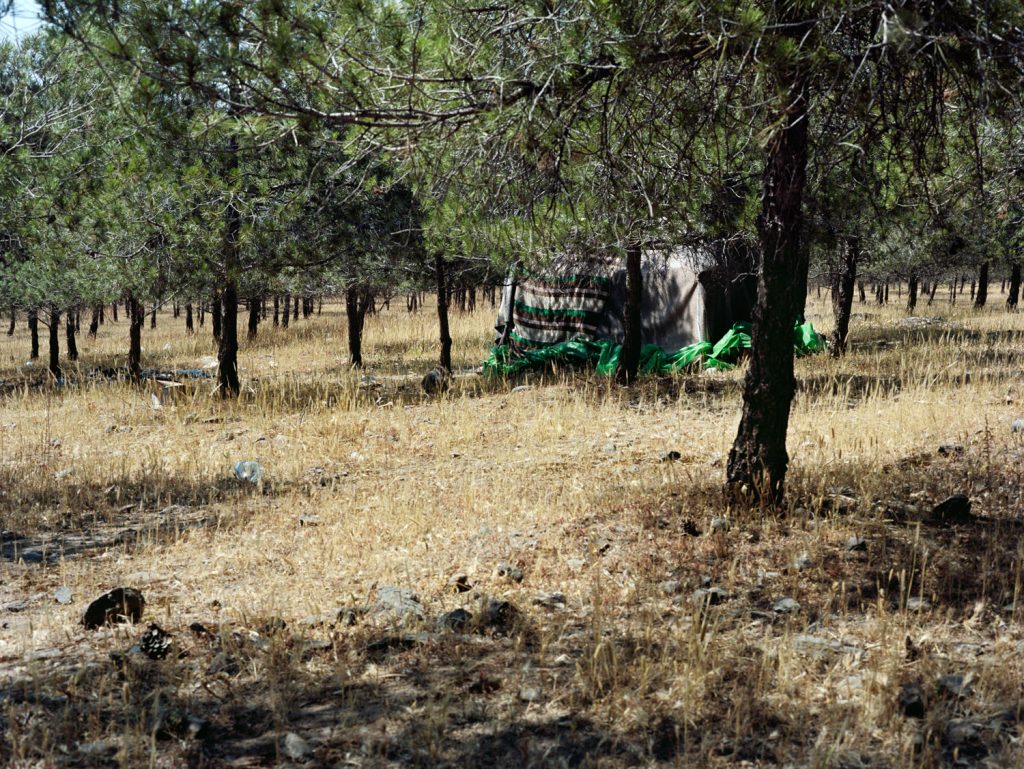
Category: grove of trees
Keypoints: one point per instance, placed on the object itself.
(218, 152)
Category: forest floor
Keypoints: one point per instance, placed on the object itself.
(618, 612)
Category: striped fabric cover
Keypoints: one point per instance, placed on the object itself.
(567, 301)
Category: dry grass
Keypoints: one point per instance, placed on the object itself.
(561, 478)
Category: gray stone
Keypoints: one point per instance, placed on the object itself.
(550, 600)
(856, 544)
(955, 685)
(720, 524)
(803, 562)
(530, 694)
(576, 564)
(786, 606)
(505, 570)
(710, 596)
(670, 586)
(1017, 426)
(918, 604)
(16, 606)
(398, 603)
(818, 646)
(455, 620)
(309, 520)
(248, 471)
(296, 748)
(498, 615)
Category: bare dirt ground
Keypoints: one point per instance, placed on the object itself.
(615, 611)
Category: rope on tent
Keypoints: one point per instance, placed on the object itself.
(604, 354)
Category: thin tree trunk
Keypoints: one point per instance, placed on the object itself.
(355, 313)
(863, 295)
(254, 317)
(931, 294)
(202, 315)
(70, 331)
(295, 308)
(94, 322)
(758, 460)
(1014, 294)
(982, 295)
(277, 311)
(629, 356)
(912, 294)
(33, 331)
(843, 282)
(152, 316)
(136, 317)
(287, 314)
(55, 371)
(190, 327)
(14, 320)
(227, 350)
(113, 311)
(445, 358)
(216, 317)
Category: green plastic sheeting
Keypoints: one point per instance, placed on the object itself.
(604, 354)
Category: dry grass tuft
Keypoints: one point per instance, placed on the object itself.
(269, 589)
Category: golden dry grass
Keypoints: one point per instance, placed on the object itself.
(562, 479)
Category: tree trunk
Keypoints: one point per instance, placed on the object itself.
(287, 314)
(202, 315)
(175, 310)
(912, 294)
(14, 320)
(886, 293)
(355, 313)
(445, 359)
(295, 308)
(863, 295)
(982, 295)
(113, 311)
(277, 311)
(758, 460)
(931, 294)
(216, 317)
(320, 305)
(55, 371)
(190, 327)
(94, 322)
(254, 316)
(227, 349)
(629, 356)
(1014, 294)
(152, 316)
(70, 330)
(843, 282)
(33, 331)
(136, 317)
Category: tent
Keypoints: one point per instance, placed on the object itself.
(695, 309)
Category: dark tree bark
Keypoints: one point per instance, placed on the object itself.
(287, 314)
(33, 331)
(216, 317)
(113, 311)
(136, 317)
(295, 309)
(1014, 294)
(982, 295)
(152, 316)
(863, 295)
(629, 357)
(14, 320)
(94, 322)
(190, 327)
(71, 329)
(886, 293)
(55, 371)
(227, 349)
(758, 460)
(931, 294)
(355, 313)
(254, 317)
(445, 358)
(175, 310)
(912, 294)
(843, 282)
(202, 315)
(277, 311)
(307, 306)
(320, 305)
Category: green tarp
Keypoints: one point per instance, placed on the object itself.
(604, 354)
